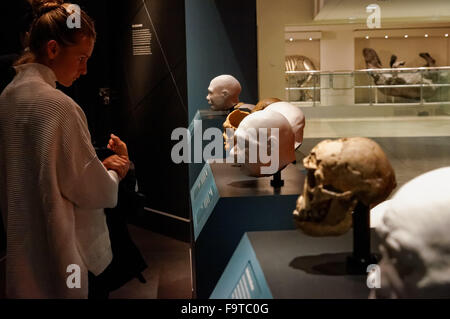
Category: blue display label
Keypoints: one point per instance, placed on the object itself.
(247, 287)
(204, 197)
(243, 277)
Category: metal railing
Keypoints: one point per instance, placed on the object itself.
(426, 78)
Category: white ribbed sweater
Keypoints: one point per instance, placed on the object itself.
(53, 189)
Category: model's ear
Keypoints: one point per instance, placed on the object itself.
(270, 141)
(25, 39)
(225, 93)
(273, 146)
(53, 49)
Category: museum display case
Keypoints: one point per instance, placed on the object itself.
(313, 55)
(227, 203)
(203, 120)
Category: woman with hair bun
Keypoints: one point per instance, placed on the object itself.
(53, 187)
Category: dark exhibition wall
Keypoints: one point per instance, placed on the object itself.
(140, 59)
(149, 73)
(151, 58)
(220, 39)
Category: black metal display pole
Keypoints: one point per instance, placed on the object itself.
(361, 258)
(277, 182)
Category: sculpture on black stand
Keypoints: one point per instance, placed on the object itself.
(345, 178)
(265, 143)
(276, 130)
(223, 94)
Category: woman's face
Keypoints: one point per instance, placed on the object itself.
(69, 63)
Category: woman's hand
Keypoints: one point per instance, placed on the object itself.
(118, 146)
(119, 164)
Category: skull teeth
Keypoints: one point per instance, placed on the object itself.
(312, 215)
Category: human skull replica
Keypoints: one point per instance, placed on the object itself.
(261, 105)
(295, 117)
(415, 239)
(231, 124)
(340, 173)
(223, 92)
(245, 107)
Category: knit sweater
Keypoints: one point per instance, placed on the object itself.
(53, 189)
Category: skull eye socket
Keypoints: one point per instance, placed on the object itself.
(311, 179)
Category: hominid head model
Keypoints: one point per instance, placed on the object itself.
(340, 173)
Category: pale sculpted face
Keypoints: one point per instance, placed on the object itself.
(269, 143)
(294, 115)
(216, 96)
(69, 63)
(416, 239)
(223, 92)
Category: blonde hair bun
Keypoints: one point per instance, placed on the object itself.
(41, 7)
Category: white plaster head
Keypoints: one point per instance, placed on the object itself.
(295, 117)
(266, 140)
(223, 92)
(415, 239)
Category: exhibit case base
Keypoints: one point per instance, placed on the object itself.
(226, 204)
(292, 265)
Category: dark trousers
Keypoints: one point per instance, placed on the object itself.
(127, 262)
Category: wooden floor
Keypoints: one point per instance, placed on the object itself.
(168, 275)
(169, 270)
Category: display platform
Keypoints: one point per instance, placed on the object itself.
(208, 119)
(225, 205)
(292, 265)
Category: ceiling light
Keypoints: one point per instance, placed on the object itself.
(406, 35)
(291, 39)
(310, 39)
(367, 37)
(426, 35)
(446, 35)
(386, 37)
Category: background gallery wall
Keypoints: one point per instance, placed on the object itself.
(342, 39)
